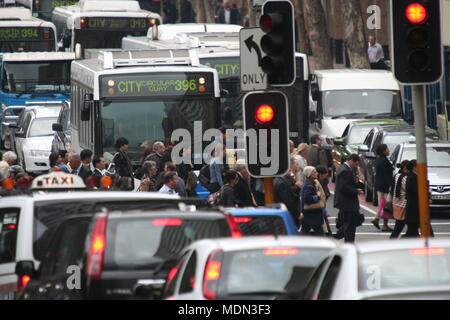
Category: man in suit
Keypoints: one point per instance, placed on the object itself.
(284, 193)
(99, 167)
(86, 159)
(228, 14)
(242, 189)
(346, 197)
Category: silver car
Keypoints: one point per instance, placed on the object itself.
(404, 269)
(438, 155)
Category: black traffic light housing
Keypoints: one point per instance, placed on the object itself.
(416, 41)
(266, 110)
(277, 22)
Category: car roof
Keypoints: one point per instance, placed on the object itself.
(412, 144)
(257, 212)
(404, 244)
(93, 195)
(45, 112)
(169, 213)
(249, 243)
(399, 129)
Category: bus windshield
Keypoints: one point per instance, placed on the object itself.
(95, 39)
(361, 103)
(36, 77)
(143, 122)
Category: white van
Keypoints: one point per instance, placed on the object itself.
(338, 97)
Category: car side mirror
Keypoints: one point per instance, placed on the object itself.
(315, 92)
(363, 148)
(25, 268)
(19, 134)
(338, 141)
(312, 116)
(12, 125)
(57, 127)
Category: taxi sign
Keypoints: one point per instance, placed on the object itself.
(58, 181)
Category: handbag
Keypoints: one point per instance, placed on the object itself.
(388, 207)
(318, 205)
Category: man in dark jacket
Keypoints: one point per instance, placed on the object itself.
(346, 197)
(242, 189)
(412, 217)
(228, 14)
(187, 14)
(86, 159)
(317, 156)
(285, 194)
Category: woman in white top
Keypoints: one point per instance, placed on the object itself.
(300, 159)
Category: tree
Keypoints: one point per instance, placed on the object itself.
(355, 40)
(302, 37)
(316, 27)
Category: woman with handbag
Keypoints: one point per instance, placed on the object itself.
(313, 203)
(398, 193)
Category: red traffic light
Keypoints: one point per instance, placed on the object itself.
(416, 13)
(266, 23)
(264, 114)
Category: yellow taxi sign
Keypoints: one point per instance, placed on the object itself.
(58, 181)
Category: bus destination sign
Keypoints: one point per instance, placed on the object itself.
(109, 23)
(157, 84)
(22, 33)
(226, 67)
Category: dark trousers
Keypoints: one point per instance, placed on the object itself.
(413, 230)
(317, 230)
(399, 226)
(349, 222)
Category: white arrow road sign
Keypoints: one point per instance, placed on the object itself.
(252, 76)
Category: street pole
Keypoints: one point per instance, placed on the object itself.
(422, 174)
(269, 197)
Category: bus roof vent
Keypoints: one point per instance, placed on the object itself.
(204, 40)
(108, 5)
(116, 59)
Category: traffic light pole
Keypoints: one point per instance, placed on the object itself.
(422, 179)
(269, 197)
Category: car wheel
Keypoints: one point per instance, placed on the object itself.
(368, 194)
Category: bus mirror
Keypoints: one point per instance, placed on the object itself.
(312, 116)
(86, 110)
(85, 114)
(66, 39)
(224, 93)
(78, 51)
(315, 92)
(155, 32)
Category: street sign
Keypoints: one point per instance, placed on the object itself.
(252, 76)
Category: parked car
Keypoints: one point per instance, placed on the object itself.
(61, 139)
(391, 135)
(353, 137)
(254, 268)
(383, 269)
(123, 254)
(265, 221)
(438, 157)
(33, 137)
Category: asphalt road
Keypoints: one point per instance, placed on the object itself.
(439, 221)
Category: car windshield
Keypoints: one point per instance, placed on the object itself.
(279, 271)
(147, 121)
(36, 77)
(42, 127)
(361, 103)
(404, 268)
(358, 134)
(261, 225)
(436, 156)
(143, 243)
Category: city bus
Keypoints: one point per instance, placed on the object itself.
(43, 8)
(101, 23)
(220, 50)
(142, 96)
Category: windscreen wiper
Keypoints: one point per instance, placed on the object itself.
(383, 115)
(351, 115)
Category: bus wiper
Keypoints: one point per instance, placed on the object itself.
(383, 115)
(350, 115)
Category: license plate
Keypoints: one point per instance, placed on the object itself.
(441, 197)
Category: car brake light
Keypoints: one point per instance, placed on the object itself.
(97, 248)
(242, 219)
(167, 222)
(281, 252)
(12, 226)
(22, 282)
(8, 184)
(211, 275)
(235, 230)
(172, 273)
(428, 251)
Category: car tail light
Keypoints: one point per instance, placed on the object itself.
(97, 248)
(91, 182)
(281, 252)
(22, 282)
(428, 251)
(8, 184)
(242, 219)
(167, 222)
(211, 275)
(172, 273)
(235, 230)
(82, 23)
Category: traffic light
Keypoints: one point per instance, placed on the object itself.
(416, 41)
(277, 22)
(267, 133)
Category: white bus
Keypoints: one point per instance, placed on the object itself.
(142, 96)
(101, 23)
(220, 50)
(43, 8)
(21, 32)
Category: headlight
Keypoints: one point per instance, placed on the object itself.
(40, 153)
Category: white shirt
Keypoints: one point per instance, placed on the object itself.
(227, 16)
(166, 189)
(375, 52)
